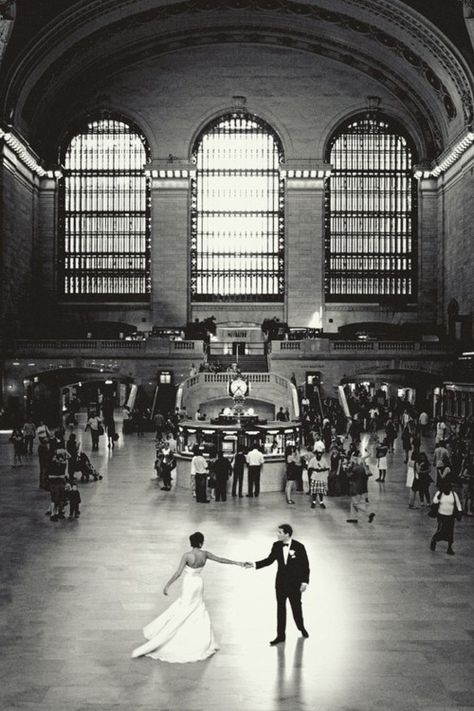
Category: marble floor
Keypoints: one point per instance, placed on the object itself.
(391, 623)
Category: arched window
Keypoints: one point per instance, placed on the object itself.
(370, 217)
(237, 223)
(105, 214)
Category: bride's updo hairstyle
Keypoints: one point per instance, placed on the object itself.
(196, 539)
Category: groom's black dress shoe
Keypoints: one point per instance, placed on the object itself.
(304, 633)
(277, 640)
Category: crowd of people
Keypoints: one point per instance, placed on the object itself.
(60, 459)
(335, 456)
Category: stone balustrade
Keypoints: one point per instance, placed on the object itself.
(151, 347)
(324, 346)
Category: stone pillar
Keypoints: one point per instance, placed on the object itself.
(46, 263)
(305, 247)
(170, 246)
(430, 263)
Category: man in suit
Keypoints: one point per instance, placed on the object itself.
(292, 578)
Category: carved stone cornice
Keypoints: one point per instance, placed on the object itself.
(307, 26)
(422, 34)
(381, 9)
(362, 61)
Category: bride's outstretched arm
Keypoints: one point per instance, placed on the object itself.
(218, 559)
(175, 575)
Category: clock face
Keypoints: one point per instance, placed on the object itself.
(238, 387)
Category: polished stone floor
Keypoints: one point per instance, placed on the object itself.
(391, 623)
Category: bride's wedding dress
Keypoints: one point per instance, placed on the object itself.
(183, 632)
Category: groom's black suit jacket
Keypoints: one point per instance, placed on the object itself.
(296, 569)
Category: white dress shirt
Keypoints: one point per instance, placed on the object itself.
(286, 550)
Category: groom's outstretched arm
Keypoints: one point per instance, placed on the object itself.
(267, 561)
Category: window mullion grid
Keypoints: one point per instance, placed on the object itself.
(369, 242)
(106, 214)
(235, 162)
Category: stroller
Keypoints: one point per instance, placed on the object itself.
(84, 465)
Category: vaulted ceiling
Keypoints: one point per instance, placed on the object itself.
(61, 50)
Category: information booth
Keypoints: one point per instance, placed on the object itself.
(229, 434)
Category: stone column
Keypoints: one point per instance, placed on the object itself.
(305, 247)
(46, 261)
(430, 258)
(170, 246)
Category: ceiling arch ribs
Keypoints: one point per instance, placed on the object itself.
(423, 119)
(401, 50)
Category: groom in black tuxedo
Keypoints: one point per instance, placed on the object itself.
(291, 580)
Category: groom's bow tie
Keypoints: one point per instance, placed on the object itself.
(285, 544)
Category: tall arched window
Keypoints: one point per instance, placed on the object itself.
(370, 213)
(237, 223)
(105, 214)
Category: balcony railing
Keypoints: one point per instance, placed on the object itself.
(151, 346)
(320, 346)
(195, 349)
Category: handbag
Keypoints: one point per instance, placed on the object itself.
(100, 430)
(433, 512)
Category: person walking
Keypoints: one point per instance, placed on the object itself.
(318, 472)
(423, 469)
(290, 474)
(238, 469)
(109, 426)
(447, 509)
(255, 460)
(74, 499)
(440, 461)
(390, 435)
(199, 472)
(43, 433)
(358, 475)
(406, 441)
(18, 442)
(412, 481)
(467, 484)
(381, 454)
(299, 466)
(72, 448)
(29, 433)
(94, 424)
(168, 463)
(222, 471)
(44, 456)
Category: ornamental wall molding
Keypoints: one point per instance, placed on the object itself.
(421, 32)
(408, 23)
(365, 63)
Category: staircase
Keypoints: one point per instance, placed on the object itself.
(254, 363)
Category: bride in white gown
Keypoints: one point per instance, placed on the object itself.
(183, 632)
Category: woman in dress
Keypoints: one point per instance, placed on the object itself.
(449, 509)
(183, 632)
